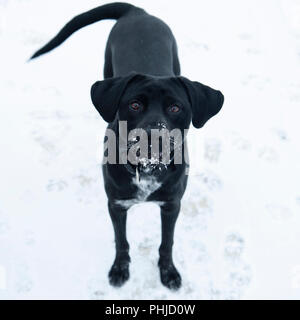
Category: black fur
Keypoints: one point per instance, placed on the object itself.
(141, 64)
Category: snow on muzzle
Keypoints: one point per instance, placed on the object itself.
(151, 149)
(148, 150)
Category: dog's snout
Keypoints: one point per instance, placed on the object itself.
(156, 125)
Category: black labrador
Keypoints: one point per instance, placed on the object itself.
(143, 87)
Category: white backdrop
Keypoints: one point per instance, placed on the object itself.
(237, 236)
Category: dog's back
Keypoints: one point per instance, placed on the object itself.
(142, 43)
(138, 42)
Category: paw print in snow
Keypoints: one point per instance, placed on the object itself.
(23, 282)
(58, 185)
(268, 154)
(29, 238)
(256, 81)
(240, 143)
(211, 180)
(145, 247)
(212, 150)
(281, 134)
(94, 289)
(202, 206)
(239, 273)
(241, 277)
(23, 285)
(234, 246)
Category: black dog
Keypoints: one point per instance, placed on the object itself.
(143, 86)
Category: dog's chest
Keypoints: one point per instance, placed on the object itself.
(145, 186)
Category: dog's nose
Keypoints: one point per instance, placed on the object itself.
(156, 125)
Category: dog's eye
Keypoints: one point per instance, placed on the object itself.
(135, 105)
(174, 108)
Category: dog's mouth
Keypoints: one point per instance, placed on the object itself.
(151, 166)
(154, 162)
(148, 166)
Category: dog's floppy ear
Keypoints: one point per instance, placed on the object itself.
(106, 95)
(205, 101)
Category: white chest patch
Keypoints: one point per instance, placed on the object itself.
(145, 187)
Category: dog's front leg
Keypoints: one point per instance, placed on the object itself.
(119, 272)
(169, 275)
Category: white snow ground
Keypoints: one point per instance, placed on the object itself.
(238, 233)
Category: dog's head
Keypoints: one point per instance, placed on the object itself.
(144, 100)
(148, 102)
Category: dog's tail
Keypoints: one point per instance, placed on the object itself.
(108, 11)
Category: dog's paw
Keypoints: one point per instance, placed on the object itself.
(169, 276)
(118, 274)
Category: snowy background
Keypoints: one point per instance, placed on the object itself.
(238, 234)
